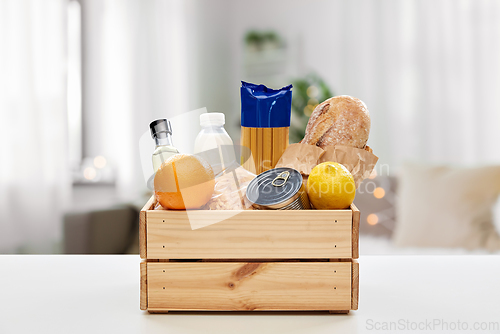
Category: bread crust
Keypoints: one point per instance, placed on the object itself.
(340, 120)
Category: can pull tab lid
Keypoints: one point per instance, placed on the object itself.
(282, 176)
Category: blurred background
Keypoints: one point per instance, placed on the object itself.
(80, 80)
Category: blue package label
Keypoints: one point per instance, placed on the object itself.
(263, 107)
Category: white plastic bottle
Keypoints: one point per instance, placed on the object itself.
(213, 142)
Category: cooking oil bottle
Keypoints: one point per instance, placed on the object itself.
(161, 131)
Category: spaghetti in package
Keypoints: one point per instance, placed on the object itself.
(265, 123)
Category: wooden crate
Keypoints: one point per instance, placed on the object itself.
(249, 260)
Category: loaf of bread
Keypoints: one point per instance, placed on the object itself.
(342, 120)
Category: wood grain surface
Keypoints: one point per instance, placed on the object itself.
(142, 227)
(355, 231)
(144, 286)
(251, 234)
(226, 286)
(355, 285)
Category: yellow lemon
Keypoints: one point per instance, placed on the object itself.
(330, 186)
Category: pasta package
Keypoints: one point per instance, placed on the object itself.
(265, 123)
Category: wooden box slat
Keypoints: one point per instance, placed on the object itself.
(142, 226)
(356, 215)
(251, 234)
(355, 285)
(144, 287)
(263, 234)
(239, 286)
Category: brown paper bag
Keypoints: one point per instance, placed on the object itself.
(304, 157)
(301, 157)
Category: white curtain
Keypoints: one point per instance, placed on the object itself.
(434, 79)
(34, 181)
(135, 70)
(429, 70)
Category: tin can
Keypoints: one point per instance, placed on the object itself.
(278, 189)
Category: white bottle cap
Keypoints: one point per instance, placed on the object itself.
(212, 119)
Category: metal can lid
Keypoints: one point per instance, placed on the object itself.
(275, 187)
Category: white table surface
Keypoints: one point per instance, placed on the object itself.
(100, 294)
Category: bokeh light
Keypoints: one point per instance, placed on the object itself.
(100, 162)
(312, 91)
(313, 102)
(308, 110)
(379, 192)
(372, 219)
(89, 173)
(373, 174)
